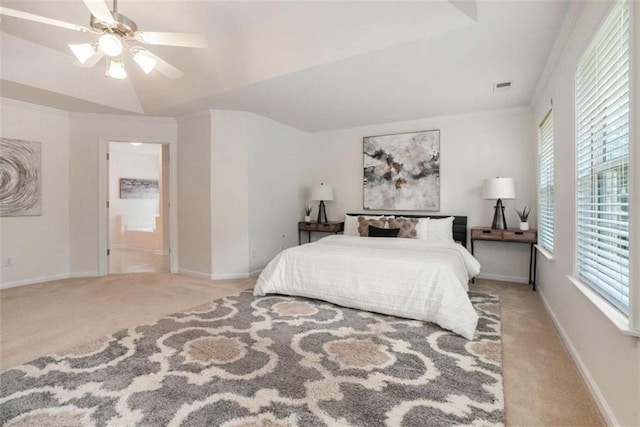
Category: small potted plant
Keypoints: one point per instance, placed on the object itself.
(307, 212)
(524, 216)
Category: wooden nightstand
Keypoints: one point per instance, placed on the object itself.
(334, 227)
(511, 235)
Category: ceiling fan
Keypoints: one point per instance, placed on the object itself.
(118, 34)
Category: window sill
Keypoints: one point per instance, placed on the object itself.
(618, 319)
(545, 253)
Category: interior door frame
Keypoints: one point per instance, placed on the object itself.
(103, 197)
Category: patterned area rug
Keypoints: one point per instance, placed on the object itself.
(268, 361)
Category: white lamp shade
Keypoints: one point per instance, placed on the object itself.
(145, 61)
(116, 69)
(322, 192)
(110, 44)
(82, 51)
(498, 188)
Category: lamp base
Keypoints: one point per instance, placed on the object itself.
(499, 221)
(322, 211)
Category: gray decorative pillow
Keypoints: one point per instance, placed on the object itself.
(407, 227)
(364, 223)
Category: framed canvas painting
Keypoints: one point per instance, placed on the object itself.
(136, 188)
(402, 171)
(20, 178)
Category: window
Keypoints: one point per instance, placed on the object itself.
(602, 156)
(545, 183)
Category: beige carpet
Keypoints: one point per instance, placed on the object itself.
(542, 385)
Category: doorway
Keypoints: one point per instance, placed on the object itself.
(138, 207)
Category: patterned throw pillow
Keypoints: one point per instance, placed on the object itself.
(364, 223)
(407, 227)
(383, 232)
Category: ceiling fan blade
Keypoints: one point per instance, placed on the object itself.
(93, 60)
(163, 67)
(100, 10)
(171, 39)
(42, 19)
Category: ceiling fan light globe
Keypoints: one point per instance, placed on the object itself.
(110, 44)
(146, 62)
(83, 51)
(116, 70)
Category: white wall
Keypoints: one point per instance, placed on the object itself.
(229, 198)
(258, 176)
(194, 194)
(473, 147)
(86, 130)
(609, 360)
(38, 245)
(278, 179)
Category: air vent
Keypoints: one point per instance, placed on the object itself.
(501, 87)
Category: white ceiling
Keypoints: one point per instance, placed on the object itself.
(313, 65)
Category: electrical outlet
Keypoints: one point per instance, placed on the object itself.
(8, 262)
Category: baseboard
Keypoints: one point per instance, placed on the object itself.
(84, 274)
(503, 278)
(193, 273)
(227, 276)
(44, 279)
(224, 276)
(601, 402)
(139, 249)
(256, 273)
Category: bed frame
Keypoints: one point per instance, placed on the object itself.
(459, 223)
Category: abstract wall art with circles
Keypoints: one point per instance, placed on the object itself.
(20, 178)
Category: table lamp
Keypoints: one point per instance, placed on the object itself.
(322, 193)
(498, 188)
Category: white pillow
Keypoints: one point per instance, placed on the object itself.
(440, 230)
(351, 224)
(422, 228)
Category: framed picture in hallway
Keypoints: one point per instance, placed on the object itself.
(402, 171)
(136, 188)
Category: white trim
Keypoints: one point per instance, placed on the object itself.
(545, 253)
(139, 249)
(634, 170)
(503, 278)
(256, 273)
(103, 192)
(103, 196)
(120, 117)
(597, 395)
(569, 21)
(194, 273)
(44, 279)
(36, 107)
(226, 276)
(84, 274)
(618, 319)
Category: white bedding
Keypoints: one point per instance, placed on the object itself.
(409, 278)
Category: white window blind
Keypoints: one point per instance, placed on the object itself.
(545, 183)
(602, 156)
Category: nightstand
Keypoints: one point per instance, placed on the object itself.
(512, 235)
(334, 227)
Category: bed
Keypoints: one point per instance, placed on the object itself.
(412, 278)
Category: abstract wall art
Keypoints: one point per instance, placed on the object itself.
(136, 188)
(20, 178)
(402, 171)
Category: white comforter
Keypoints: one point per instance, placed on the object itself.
(410, 278)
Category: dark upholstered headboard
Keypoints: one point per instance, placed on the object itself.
(459, 223)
